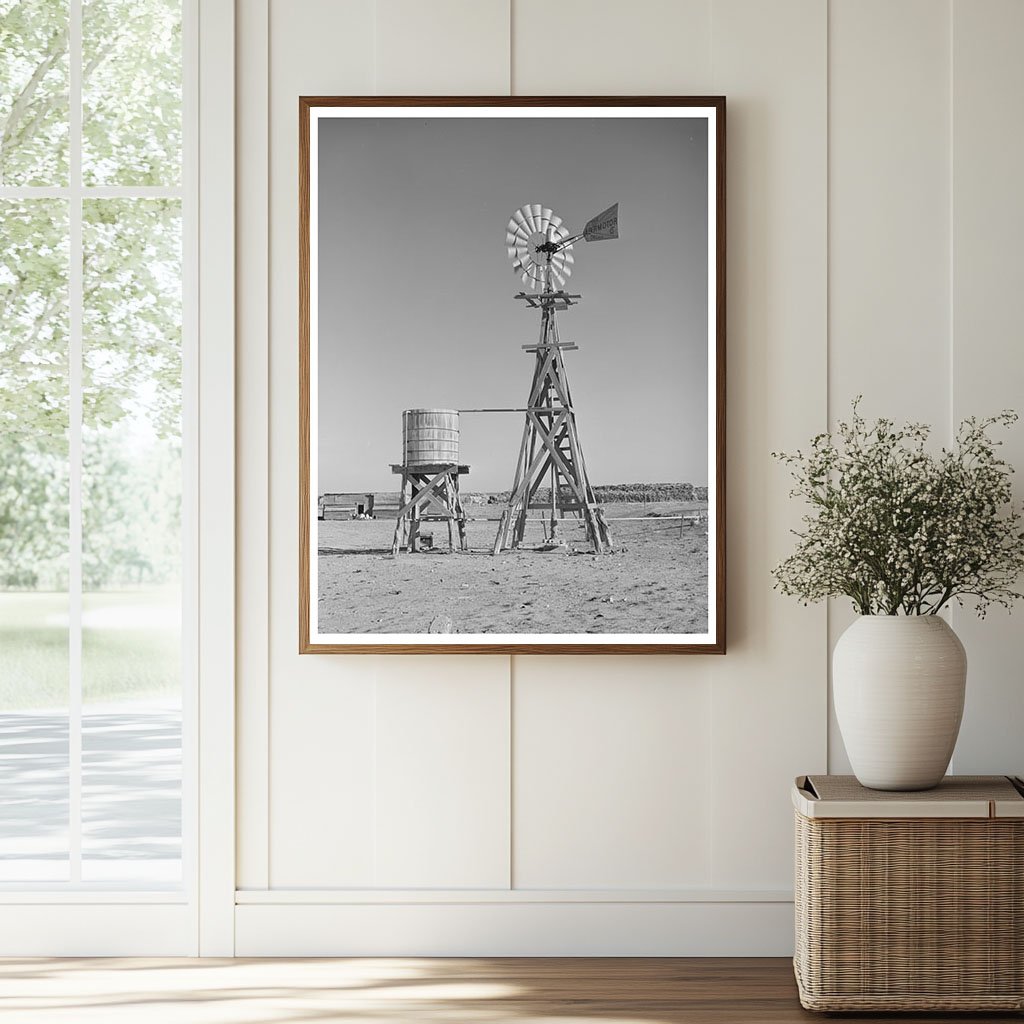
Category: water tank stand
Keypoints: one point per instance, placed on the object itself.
(429, 493)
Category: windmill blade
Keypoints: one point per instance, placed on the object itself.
(604, 225)
(530, 227)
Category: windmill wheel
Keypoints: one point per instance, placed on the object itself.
(531, 227)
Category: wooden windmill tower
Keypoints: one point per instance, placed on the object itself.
(550, 452)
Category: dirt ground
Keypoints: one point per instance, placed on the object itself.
(654, 582)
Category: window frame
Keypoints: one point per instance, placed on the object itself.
(179, 926)
(94, 923)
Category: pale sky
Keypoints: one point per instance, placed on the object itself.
(416, 291)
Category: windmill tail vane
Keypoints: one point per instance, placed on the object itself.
(604, 225)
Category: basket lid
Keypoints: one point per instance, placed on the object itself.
(957, 796)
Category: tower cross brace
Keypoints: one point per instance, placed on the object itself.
(429, 493)
(550, 449)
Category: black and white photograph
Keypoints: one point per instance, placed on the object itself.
(512, 375)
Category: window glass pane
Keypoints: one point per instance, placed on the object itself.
(33, 92)
(131, 541)
(33, 540)
(131, 92)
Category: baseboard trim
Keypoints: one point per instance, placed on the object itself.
(83, 929)
(349, 897)
(515, 928)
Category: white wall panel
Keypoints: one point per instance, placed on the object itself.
(399, 778)
(621, 810)
(322, 761)
(330, 824)
(320, 709)
(576, 47)
(889, 209)
(442, 47)
(654, 774)
(889, 254)
(317, 48)
(769, 692)
(612, 780)
(442, 772)
(988, 333)
(527, 929)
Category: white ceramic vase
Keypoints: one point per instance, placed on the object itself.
(898, 684)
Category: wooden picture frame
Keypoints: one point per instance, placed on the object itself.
(351, 150)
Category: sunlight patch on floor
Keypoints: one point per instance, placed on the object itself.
(188, 991)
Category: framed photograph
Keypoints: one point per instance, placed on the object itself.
(512, 375)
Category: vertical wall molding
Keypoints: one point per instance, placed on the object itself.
(987, 370)
(216, 478)
(953, 612)
(252, 514)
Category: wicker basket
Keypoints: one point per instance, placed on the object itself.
(910, 901)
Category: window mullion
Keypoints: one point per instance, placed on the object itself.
(75, 333)
(95, 191)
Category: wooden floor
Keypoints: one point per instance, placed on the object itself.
(381, 991)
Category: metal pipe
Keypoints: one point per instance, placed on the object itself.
(493, 410)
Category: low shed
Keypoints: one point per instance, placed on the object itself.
(346, 504)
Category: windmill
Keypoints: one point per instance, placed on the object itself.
(540, 249)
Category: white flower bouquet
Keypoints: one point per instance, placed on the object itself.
(901, 530)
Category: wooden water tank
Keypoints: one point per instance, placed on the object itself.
(430, 436)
